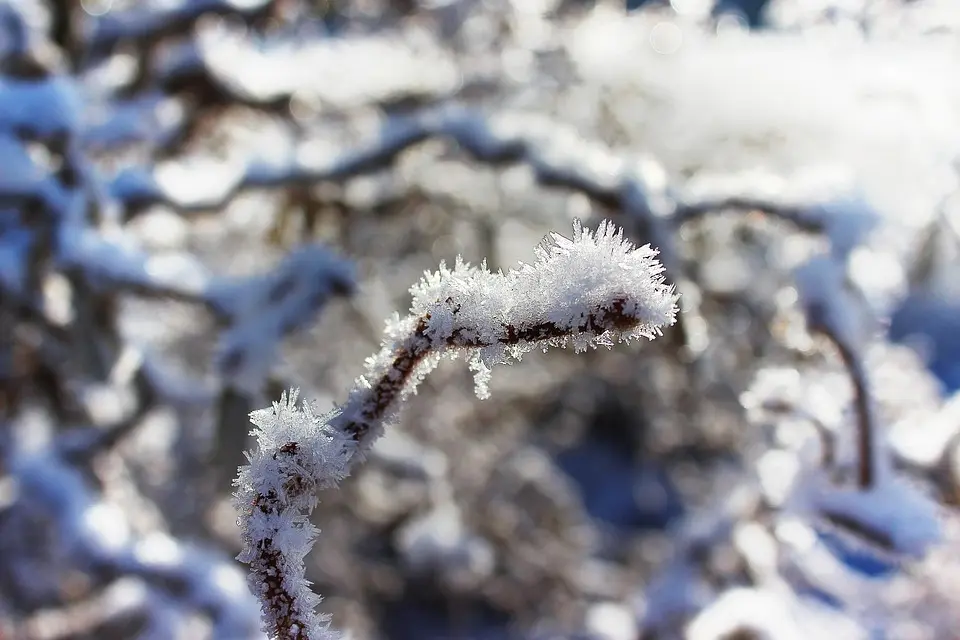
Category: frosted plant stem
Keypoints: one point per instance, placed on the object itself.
(586, 291)
(866, 474)
(389, 387)
(862, 399)
(831, 311)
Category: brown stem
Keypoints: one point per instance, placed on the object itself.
(267, 566)
(866, 474)
(418, 346)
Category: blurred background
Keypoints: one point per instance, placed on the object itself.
(205, 202)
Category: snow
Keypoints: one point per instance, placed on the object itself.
(43, 108)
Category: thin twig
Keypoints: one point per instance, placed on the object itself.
(794, 214)
(866, 473)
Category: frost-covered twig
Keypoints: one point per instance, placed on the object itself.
(587, 291)
(831, 312)
(863, 409)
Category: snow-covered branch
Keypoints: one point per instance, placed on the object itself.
(832, 313)
(591, 290)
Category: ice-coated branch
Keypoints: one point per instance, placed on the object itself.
(591, 290)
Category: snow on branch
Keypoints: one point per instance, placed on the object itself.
(844, 220)
(831, 312)
(591, 290)
(81, 532)
(156, 19)
(558, 155)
